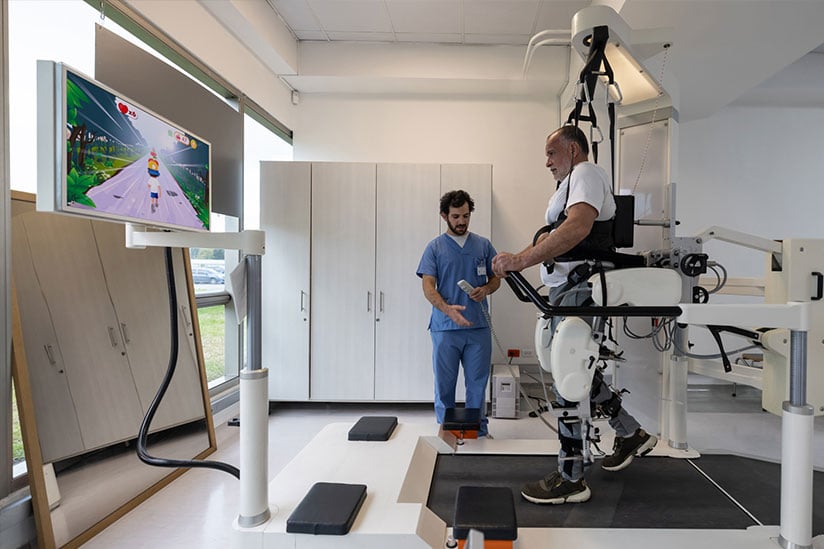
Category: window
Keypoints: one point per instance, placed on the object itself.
(259, 143)
(18, 456)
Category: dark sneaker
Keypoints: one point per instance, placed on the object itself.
(639, 444)
(554, 489)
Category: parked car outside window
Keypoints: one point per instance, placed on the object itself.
(203, 275)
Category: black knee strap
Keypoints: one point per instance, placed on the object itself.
(612, 407)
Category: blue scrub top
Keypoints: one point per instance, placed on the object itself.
(444, 259)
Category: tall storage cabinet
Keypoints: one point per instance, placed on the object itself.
(343, 282)
(407, 219)
(366, 226)
(285, 199)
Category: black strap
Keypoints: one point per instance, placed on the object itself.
(588, 79)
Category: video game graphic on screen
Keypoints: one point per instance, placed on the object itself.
(125, 162)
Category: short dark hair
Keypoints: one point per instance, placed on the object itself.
(456, 199)
(573, 133)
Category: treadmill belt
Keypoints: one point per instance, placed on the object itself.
(653, 492)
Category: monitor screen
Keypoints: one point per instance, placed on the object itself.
(102, 155)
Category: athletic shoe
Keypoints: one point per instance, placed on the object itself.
(639, 444)
(554, 489)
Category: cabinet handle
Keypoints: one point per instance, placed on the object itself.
(112, 338)
(50, 354)
(126, 339)
(302, 305)
(381, 302)
(368, 302)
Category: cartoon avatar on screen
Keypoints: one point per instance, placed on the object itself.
(154, 184)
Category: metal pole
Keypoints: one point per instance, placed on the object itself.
(677, 413)
(797, 453)
(254, 411)
(253, 316)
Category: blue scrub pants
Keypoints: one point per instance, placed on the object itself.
(472, 349)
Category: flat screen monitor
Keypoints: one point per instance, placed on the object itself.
(102, 155)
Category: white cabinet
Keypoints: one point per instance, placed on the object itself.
(59, 432)
(343, 243)
(285, 199)
(95, 323)
(136, 282)
(71, 279)
(343, 282)
(407, 219)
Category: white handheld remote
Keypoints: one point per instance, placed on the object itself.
(465, 286)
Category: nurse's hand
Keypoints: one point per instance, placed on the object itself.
(478, 294)
(454, 313)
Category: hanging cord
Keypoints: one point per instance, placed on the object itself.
(652, 122)
(722, 280)
(142, 435)
(517, 379)
(661, 326)
(715, 355)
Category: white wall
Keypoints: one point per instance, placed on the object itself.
(753, 169)
(505, 133)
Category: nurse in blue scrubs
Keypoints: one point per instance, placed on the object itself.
(458, 325)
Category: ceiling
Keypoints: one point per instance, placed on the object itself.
(724, 51)
(430, 21)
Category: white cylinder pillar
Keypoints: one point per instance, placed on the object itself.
(254, 443)
(677, 414)
(796, 477)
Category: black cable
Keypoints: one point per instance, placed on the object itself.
(142, 435)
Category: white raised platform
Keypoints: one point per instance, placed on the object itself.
(398, 475)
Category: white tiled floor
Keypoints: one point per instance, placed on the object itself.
(197, 510)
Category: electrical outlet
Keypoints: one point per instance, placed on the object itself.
(513, 353)
(528, 353)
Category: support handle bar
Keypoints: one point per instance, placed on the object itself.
(525, 292)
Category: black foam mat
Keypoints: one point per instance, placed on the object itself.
(653, 492)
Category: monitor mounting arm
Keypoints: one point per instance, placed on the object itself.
(254, 396)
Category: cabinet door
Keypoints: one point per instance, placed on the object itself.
(285, 216)
(71, 278)
(57, 427)
(138, 288)
(407, 219)
(343, 282)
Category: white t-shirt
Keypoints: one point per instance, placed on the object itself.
(587, 183)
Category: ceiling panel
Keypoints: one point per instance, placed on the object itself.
(352, 15)
(557, 14)
(297, 14)
(426, 16)
(500, 16)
